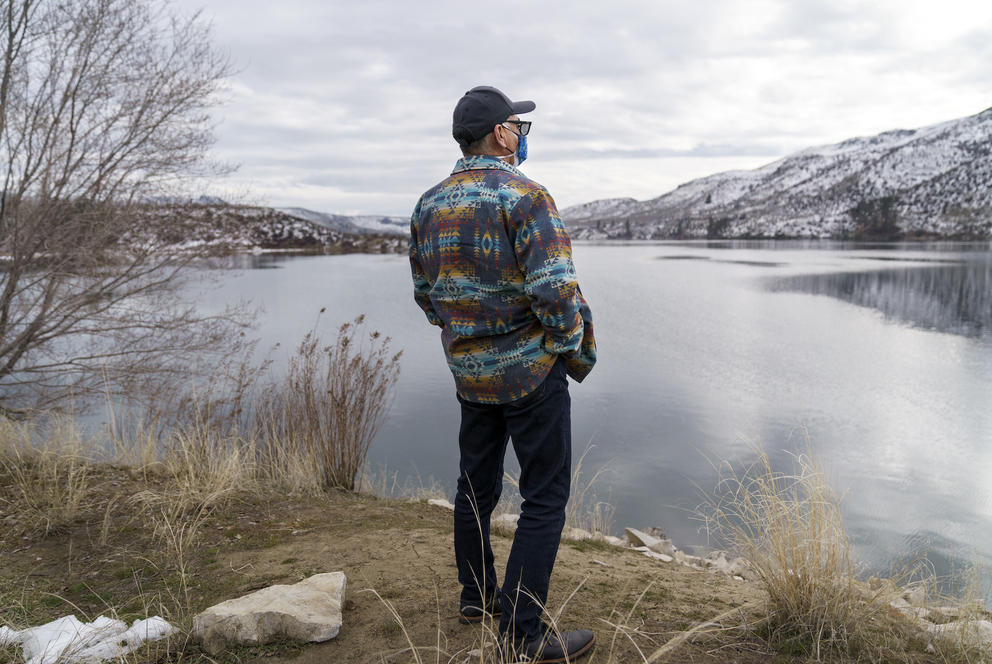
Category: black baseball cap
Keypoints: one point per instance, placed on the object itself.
(482, 108)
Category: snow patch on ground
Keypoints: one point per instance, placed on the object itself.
(70, 640)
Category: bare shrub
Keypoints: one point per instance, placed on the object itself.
(103, 122)
(333, 401)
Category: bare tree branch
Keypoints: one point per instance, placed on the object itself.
(104, 115)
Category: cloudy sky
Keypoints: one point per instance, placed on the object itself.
(345, 105)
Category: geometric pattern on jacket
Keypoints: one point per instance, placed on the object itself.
(492, 267)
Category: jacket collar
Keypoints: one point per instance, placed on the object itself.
(484, 162)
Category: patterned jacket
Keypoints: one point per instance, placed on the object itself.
(492, 267)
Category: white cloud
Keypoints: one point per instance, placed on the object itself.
(347, 106)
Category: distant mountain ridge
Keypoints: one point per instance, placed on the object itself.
(353, 224)
(212, 225)
(935, 181)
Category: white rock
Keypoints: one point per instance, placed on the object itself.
(656, 544)
(917, 595)
(441, 502)
(973, 632)
(688, 560)
(640, 538)
(663, 557)
(718, 560)
(307, 611)
(576, 534)
(899, 603)
(735, 567)
(663, 546)
(944, 613)
(653, 554)
(506, 522)
(615, 541)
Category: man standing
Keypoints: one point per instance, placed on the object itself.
(492, 267)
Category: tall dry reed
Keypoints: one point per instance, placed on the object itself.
(302, 432)
(333, 401)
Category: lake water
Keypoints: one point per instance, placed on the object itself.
(880, 354)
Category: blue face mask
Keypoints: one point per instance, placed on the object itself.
(521, 154)
(521, 150)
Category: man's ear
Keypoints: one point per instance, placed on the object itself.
(499, 135)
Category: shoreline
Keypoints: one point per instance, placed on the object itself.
(113, 557)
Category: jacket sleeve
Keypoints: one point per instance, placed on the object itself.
(421, 284)
(544, 254)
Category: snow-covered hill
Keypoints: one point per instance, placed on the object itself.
(597, 209)
(933, 181)
(224, 228)
(356, 224)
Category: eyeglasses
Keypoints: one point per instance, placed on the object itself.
(523, 126)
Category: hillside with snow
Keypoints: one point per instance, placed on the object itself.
(935, 181)
(353, 224)
(222, 228)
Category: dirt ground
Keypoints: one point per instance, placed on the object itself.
(403, 552)
(394, 554)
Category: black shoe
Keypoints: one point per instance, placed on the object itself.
(555, 648)
(473, 614)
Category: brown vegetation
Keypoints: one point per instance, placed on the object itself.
(206, 520)
(788, 527)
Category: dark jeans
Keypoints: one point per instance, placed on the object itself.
(539, 425)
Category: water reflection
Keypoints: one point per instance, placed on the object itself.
(947, 298)
(809, 243)
(261, 261)
(726, 261)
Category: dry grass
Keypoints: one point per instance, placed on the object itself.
(788, 527)
(386, 483)
(192, 459)
(625, 641)
(47, 469)
(585, 510)
(301, 433)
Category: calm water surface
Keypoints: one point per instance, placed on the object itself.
(881, 355)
